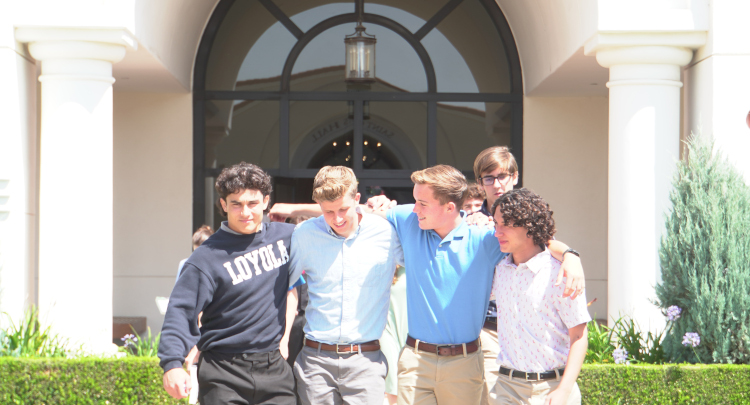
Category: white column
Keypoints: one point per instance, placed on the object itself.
(75, 191)
(18, 152)
(644, 133)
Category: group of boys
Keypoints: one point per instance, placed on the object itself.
(242, 278)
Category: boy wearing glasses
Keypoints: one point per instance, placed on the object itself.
(497, 172)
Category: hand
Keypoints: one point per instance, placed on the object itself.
(284, 348)
(177, 383)
(380, 203)
(280, 212)
(192, 357)
(557, 397)
(479, 219)
(572, 269)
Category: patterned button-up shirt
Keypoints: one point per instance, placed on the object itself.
(349, 279)
(533, 318)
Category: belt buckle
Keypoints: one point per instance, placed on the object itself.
(351, 349)
(437, 348)
(538, 377)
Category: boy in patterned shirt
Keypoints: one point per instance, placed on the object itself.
(543, 340)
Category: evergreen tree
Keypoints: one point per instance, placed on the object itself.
(705, 259)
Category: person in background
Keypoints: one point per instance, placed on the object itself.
(297, 334)
(474, 199)
(543, 339)
(496, 172)
(394, 335)
(199, 237)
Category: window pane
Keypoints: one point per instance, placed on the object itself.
(238, 130)
(465, 129)
(309, 13)
(320, 66)
(411, 14)
(249, 50)
(467, 52)
(398, 131)
(313, 128)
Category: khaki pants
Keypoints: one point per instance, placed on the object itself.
(490, 349)
(514, 391)
(428, 379)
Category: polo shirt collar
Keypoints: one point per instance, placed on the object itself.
(536, 263)
(458, 233)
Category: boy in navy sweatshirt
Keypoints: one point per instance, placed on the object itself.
(240, 279)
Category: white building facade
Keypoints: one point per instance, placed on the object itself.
(117, 116)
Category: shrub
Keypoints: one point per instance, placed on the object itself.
(669, 384)
(130, 380)
(138, 380)
(705, 259)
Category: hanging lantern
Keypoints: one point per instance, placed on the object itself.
(360, 56)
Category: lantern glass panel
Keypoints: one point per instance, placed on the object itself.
(360, 59)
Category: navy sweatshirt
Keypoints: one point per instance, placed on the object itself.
(240, 282)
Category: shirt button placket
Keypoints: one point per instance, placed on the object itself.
(347, 289)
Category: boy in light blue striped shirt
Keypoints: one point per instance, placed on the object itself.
(349, 258)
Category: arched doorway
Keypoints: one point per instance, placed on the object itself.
(269, 89)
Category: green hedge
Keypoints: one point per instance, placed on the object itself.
(137, 380)
(668, 384)
(130, 380)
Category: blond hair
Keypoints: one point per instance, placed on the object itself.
(332, 182)
(447, 183)
(493, 158)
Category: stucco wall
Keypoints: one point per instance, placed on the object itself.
(547, 34)
(565, 161)
(152, 198)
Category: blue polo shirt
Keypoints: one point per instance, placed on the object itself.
(449, 280)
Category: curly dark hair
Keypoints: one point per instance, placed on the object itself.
(522, 207)
(242, 176)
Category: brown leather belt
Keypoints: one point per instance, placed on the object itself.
(353, 348)
(443, 350)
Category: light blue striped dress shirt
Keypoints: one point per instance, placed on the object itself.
(349, 279)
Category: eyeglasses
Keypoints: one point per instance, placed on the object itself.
(490, 180)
